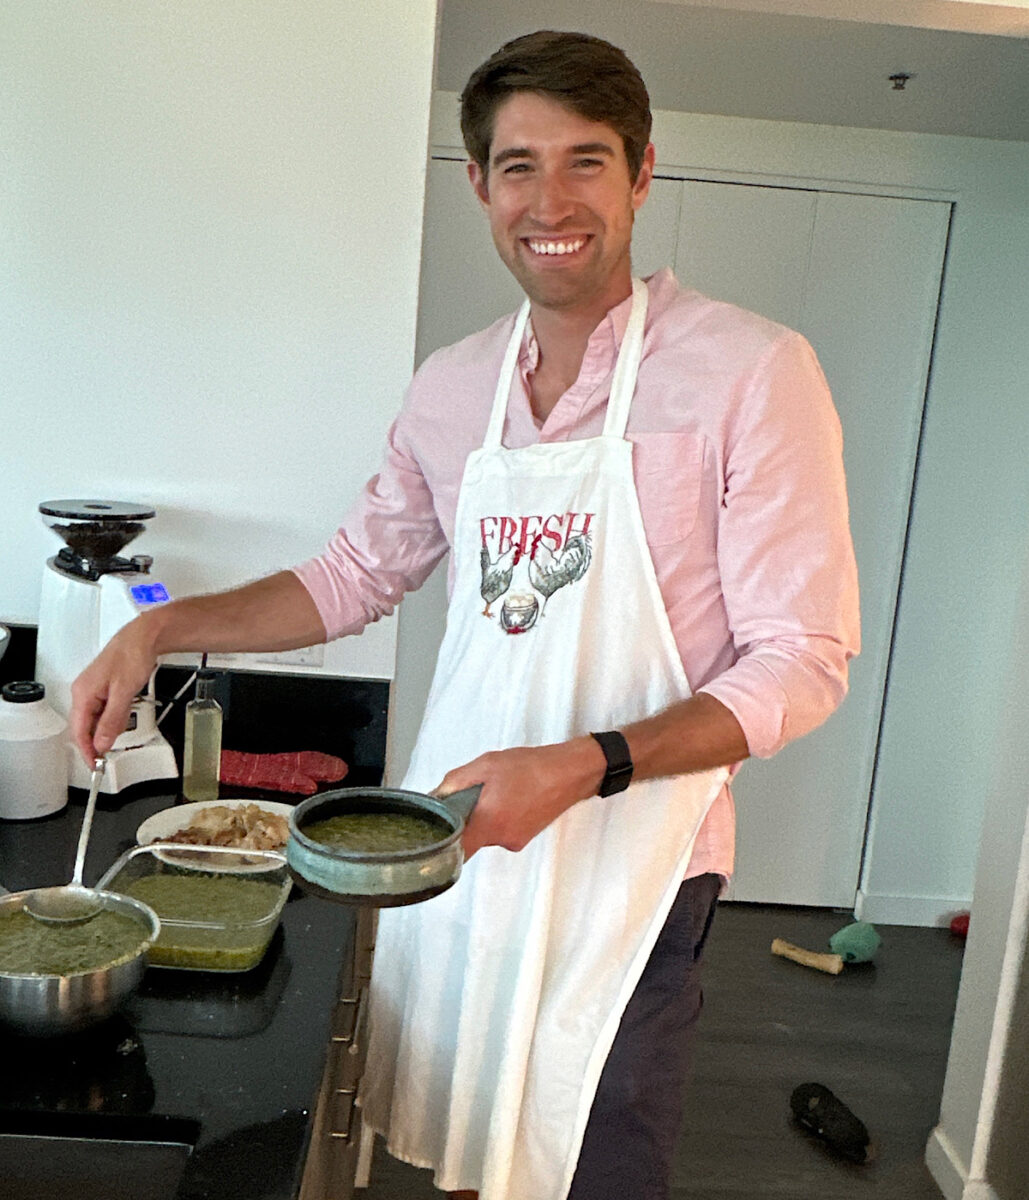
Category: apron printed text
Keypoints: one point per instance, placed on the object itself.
(525, 558)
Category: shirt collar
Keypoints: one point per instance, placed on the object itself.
(606, 339)
(597, 363)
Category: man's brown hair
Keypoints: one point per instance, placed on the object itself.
(584, 73)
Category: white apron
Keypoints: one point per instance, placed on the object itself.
(494, 1005)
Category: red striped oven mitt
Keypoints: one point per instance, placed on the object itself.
(294, 771)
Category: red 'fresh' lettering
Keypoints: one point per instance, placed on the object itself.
(500, 533)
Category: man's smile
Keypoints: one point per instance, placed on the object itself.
(548, 246)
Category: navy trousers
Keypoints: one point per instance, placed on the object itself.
(634, 1122)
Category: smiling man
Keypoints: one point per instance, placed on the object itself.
(652, 579)
(561, 196)
(652, 490)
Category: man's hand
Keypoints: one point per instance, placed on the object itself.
(102, 695)
(524, 789)
(274, 613)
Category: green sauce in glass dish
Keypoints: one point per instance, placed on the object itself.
(208, 922)
(377, 832)
(31, 947)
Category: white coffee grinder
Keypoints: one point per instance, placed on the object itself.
(88, 594)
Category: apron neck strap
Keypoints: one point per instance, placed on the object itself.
(623, 382)
(495, 428)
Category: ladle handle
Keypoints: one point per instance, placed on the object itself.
(461, 803)
(99, 766)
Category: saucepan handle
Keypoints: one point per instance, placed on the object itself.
(461, 803)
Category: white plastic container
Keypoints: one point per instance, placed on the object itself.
(33, 754)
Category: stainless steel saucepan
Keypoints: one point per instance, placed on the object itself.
(43, 1004)
(52, 1004)
(381, 879)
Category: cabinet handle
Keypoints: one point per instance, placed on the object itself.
(346, 1019)
(363, 964)
(350, 1094)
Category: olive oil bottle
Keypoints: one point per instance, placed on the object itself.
(201, 758)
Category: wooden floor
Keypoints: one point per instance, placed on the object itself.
(877, 1036)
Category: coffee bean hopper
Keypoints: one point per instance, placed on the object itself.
(89, 592)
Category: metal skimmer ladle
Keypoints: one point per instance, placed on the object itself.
(72, 903)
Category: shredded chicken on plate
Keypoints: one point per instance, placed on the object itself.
(248, 827)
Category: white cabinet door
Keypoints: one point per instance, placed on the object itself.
(747, 245)
(859, 276)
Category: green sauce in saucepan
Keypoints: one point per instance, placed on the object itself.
(31, 947)
(378, 832)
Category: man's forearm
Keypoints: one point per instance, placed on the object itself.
(693, 735)
(276, 613)
(527, 787)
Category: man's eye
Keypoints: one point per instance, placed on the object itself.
(516, 168)
(588, 162)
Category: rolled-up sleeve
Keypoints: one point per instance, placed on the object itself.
(785, 555)
(388, 545)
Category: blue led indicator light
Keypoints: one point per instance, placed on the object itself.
(150, 593)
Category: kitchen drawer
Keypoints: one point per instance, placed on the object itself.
(350, 1033)
(347, 1017)
(364, 945)
(357, 965)
(335, 1134)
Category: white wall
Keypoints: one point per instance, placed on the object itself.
(943, 748)
(981, 1135)
(210, 227)
(967, 560)
(1006, 17)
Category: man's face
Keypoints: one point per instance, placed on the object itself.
(561, 203)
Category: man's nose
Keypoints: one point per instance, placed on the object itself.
(552, 201)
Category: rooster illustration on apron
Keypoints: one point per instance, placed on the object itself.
(494, 1005)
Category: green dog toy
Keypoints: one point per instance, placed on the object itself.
(856, 943)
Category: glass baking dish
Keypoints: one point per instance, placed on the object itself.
(218, 908)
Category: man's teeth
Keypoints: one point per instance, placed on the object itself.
(556, 247)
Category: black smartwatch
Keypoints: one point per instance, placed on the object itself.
(619, 762)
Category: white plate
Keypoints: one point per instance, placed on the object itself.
(162, 825)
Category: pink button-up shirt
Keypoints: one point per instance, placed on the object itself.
(737, 457)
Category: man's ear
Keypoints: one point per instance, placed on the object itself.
(641, 187)
(478, 182)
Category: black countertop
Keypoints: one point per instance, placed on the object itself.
(230, 1063)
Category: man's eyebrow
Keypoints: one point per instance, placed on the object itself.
(594, 148)
(503, 156)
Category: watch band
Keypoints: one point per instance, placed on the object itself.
(619, 762)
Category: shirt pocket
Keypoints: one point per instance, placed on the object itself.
(668, 469)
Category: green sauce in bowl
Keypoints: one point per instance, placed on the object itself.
(378, 832)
